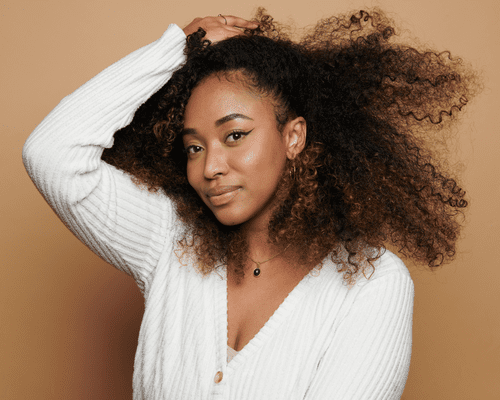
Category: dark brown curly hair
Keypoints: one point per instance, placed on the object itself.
(366, 178)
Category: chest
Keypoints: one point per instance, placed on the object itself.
(252, 304)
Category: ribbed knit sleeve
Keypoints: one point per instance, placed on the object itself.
(124, 224)
(370, 351)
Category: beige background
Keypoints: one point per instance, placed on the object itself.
(69, 322)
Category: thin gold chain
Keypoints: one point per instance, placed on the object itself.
(269, 259)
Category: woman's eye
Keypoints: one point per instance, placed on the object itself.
(193, 149)
(236, 135)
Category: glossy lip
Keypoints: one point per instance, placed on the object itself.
(222, 195)
(219, 190)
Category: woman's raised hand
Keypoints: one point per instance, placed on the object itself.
(220, 28)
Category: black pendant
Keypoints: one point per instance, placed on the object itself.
(256, 272)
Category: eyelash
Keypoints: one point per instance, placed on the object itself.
(242, 133)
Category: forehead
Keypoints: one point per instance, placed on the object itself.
(218, 96)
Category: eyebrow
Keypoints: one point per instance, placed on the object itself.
(219, 122)
(230, 117)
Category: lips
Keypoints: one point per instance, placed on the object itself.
(221, 195)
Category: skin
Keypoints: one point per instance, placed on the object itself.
(245, 152)
(220, 28)
(233, 142)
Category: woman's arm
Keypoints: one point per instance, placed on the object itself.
(123, 224)
(370, 351)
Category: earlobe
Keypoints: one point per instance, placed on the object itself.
(296, 137)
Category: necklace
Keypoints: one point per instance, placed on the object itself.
(256, 271)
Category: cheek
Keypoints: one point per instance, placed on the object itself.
(193, 175)
(266, 155)
(250, 160)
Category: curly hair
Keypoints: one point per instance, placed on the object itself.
(366, 177)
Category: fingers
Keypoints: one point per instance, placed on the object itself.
(240, 22)
(234, 26)
(231, 32)
(220, 27)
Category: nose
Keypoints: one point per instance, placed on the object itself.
(215, 163)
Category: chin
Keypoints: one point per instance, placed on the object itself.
(230, 215)
(229, 220)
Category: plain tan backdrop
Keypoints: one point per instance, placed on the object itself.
(69, 322)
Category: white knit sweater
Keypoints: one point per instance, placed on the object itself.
(324, 341)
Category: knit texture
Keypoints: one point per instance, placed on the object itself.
(325, 341)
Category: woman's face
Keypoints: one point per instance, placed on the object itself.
(236, 155)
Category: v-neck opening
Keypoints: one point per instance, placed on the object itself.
(270, 326)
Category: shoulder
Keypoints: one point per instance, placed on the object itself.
(389, 273)
(390, 263)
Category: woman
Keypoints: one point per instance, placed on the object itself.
(277, 172)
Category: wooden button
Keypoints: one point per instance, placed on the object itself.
(218, 377)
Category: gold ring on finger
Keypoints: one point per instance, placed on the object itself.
(225, 20)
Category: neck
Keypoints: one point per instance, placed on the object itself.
(260, 249)
(259, 246)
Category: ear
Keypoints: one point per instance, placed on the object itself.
(295, 133)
